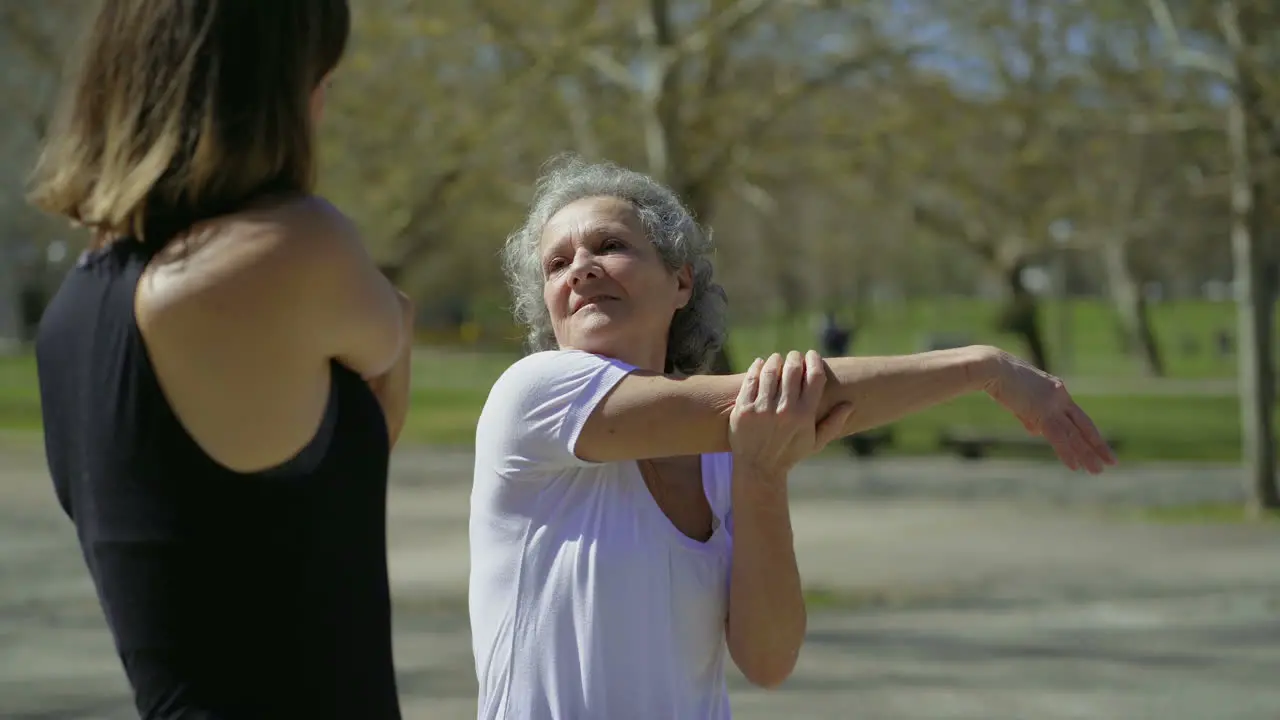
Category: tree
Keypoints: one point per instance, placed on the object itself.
(991, 178)
(30, 35)
(429, 124)
(1245, 28)
(700, 84)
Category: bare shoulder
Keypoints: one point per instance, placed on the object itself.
(248, 258)
(244, 286)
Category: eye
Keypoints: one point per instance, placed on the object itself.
(611, 244)
(555, 264)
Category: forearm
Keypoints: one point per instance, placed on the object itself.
(767, 618)
(885, 389)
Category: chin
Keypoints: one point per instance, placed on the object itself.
(599, 337)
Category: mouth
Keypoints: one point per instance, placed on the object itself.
(590, 300)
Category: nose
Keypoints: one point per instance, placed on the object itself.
(583, 267)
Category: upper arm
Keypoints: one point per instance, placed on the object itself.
(536, 410)
(358, 315)
(569, 408)
(649, 416)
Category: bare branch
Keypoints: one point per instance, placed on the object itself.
(770, 110)
(423, 217)
(601, 60)
(576, 106)
(951, 228)
(414, 238)
(757, 197)
(725, 23)
(1182, 54)
(1229, 22)
(1135, 124)
(608, 66)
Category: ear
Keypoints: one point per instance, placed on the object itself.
(684, 286)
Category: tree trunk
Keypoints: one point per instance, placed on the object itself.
(1254, 316)
(1021, 316)
(701, 205)
(1131, 309)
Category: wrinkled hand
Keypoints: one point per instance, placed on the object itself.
(1043, 405)
(774, 423)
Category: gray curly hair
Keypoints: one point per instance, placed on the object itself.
(697, 330)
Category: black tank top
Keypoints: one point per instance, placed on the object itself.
(229, 596)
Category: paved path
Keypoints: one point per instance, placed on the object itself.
(942, 590)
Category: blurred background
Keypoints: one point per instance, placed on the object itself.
(1055, 177)
(1090, 184)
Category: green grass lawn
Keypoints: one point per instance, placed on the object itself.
(1185, 330)
(450, 386)
(19, 394)
(450, 389)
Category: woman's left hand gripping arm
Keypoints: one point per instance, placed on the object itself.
(773, 426)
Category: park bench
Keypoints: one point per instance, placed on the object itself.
(868, 443)
(975, 444)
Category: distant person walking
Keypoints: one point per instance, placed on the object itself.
(833, 337)
(224, 371)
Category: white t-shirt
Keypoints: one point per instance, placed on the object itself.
(586, 602)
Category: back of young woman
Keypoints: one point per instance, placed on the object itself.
(224, 371)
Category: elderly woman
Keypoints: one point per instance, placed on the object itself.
(629, 517)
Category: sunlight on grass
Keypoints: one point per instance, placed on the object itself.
(19, 393)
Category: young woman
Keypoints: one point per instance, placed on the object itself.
(224, 371)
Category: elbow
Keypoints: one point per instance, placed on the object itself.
(769, 662)
(770, 673)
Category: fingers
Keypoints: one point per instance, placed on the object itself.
(832, 426)
(1056, 438)
(1068, 444)
(750, 384)
(1078, 447)
(766, 395)
(815, 380)
(792, 382)
(1091, 434)
(1055, 416)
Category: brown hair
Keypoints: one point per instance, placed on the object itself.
(181, 110)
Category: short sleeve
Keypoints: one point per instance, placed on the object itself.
(538, 407)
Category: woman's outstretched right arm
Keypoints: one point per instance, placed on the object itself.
(648, 415)
(651, 415)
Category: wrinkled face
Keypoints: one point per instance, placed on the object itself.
(606, 288)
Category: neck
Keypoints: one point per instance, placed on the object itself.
(652, 359)
(652, 363)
